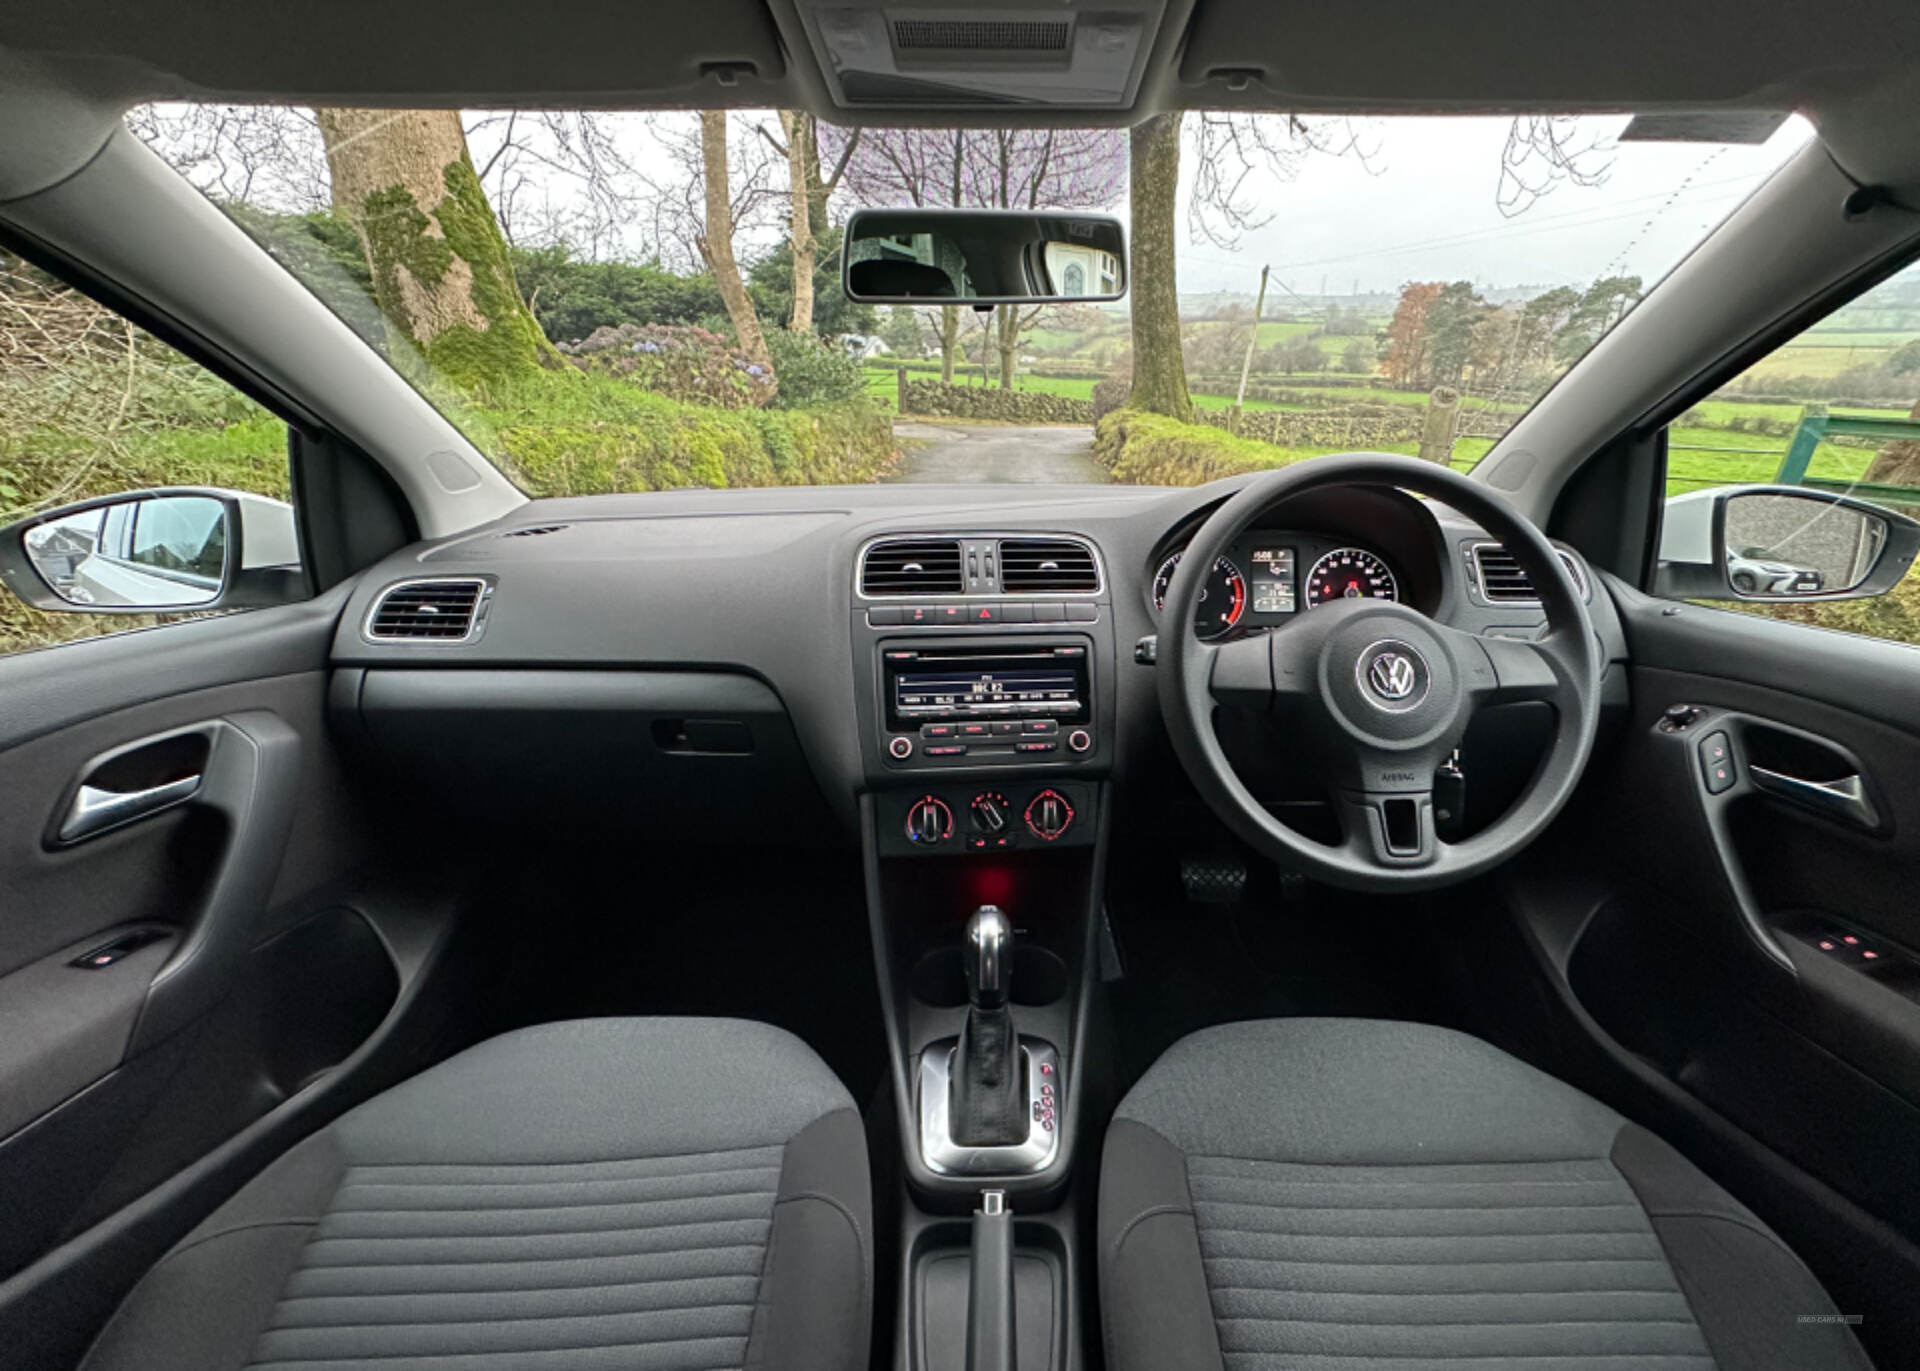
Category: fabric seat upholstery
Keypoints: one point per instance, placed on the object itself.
(648, 1194)
(1344, 1195)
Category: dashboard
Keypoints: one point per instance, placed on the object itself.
(737, 662)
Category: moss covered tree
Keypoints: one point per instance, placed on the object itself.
(1159, 375)
(441, 274)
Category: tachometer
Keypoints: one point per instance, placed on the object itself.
(1222, 600)
(1349, 573)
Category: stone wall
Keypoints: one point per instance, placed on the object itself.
(980, 402)
(1353, 427)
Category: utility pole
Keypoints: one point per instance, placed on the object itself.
(1246, 363)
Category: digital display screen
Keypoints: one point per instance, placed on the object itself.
(1272, 580)
(1037, 692)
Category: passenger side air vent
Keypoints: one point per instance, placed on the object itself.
(437, 611)
(1032, 566)
(912, 566)
(1503, 581)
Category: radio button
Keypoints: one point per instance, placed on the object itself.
(1003, 727)
(948, 750)
(1080, 740)
(900, 748)
(1040, 726)
(974, 730)
(936, 730)
(1037, 745)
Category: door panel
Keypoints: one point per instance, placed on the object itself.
(134, 955)
(1722, 937)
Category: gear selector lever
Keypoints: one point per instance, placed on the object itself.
(988, 1091)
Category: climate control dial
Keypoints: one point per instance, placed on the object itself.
(1048, 815)
(929, 821)
(990, 814)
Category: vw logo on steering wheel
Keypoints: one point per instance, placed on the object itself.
(1395, 676)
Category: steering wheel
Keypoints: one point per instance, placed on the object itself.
(1378, 694)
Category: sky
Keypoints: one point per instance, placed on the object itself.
(1424, 207)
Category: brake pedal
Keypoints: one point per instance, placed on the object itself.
(1213, 880)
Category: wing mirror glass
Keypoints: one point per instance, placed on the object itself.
(982, 257)
(154, 552)
(1781, 543)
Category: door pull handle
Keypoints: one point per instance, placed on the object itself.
(1844, 798)
(95, 810)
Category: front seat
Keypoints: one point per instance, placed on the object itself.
(673, 1194)
(1355, 1195)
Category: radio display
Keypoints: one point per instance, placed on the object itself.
(946, 694)
(925, 688)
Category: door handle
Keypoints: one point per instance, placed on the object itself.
(95, 810)
(1844, 799)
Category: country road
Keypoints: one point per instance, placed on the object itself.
(997, 452)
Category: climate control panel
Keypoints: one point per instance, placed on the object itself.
(1009, 817)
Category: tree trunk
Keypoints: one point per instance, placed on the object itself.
(803, 166)
(441, 274)
(1159, 373)
(715, 240)
(949, 341)
(1008, 342)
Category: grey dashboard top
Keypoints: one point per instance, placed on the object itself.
(761, 582)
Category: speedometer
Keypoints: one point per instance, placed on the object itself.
(1350, 573)
(1222, 600)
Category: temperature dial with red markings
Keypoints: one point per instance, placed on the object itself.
(990, 814)
(929, 821)
(1049, 815)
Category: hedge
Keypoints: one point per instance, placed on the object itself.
(1145, 449)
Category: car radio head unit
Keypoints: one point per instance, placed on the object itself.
(953, 685)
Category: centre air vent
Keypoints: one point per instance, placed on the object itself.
(912, 566)
(1033, 566)
(443, 610)
(1503, 581)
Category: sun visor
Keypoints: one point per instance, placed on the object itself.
(881, 53)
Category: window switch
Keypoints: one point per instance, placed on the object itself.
(1716, 762)
(105, 955)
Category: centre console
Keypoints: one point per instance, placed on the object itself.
(984, 672)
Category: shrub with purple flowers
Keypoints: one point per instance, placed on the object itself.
(685, 363)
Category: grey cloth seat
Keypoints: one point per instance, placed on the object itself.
(1353, 1195)
(647, 1194)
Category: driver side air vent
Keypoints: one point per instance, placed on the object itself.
(1503, 581)
(437, 611)
(1030, 566)
(912, 566)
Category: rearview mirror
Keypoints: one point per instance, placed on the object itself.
(982, 257)
(1781, 544)
(155, 552)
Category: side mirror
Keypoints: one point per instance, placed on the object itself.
(1781, 544)
(155, 552)
(982, 257)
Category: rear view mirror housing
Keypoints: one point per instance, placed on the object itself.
(172, 550)
(982, 257)
(1781, 545)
